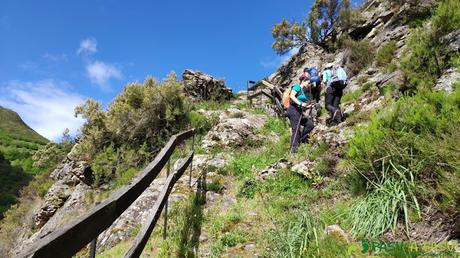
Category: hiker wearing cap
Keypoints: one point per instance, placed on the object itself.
(297, 102)
(334, 92)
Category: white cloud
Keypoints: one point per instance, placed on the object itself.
(87, 46)
(101, 73)
(47, 106)
(55, 58)
(277, 61)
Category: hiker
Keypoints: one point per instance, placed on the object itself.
(315, 80)
(315, 90)
(326, 75)
(297, 102)
(334, 92)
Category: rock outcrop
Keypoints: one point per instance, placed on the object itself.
(68, 175)
(235, 128)
(307, 56)
(200, 86)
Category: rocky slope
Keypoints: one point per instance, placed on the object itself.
(238, 132)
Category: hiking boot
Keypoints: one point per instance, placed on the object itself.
(335, 115)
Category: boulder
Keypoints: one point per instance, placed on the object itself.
(235, 129)
(336, 232)
(68, 175)
(304, 169)
(447, 79)
(273, 169)
(54, 199)
(200, 86)
(334, 136)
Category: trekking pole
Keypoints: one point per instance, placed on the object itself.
(297, 129)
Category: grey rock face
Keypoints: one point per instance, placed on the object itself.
(308, 56)
(452, 40)
(200, 86)
(447, 80)
(68, 174)
(234, 129)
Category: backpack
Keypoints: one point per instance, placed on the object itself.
(314, 76)
(327, 75)
(286, 97)
(338, 74)
(285, 101)
(312, 71)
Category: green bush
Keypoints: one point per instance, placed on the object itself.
(201, 123)
(143, 113)
(118, 163)
(385, 54)
(418, 133)
(138, 122)
(427, 57)
(361, 54)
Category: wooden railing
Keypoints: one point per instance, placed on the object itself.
(75, 236)
(271, 91)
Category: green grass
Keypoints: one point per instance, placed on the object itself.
(354, 95)
(382, 208)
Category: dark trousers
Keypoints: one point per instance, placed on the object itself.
(316, 92)
(334, 93)
(295, 116)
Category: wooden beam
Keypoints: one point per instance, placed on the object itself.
(141, 239)
(278, 91)
(269, 85)
(260, 92)
(70, 239)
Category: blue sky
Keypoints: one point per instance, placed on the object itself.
(56, 54)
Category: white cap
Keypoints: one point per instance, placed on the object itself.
(328, 65)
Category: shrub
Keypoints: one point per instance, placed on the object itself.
(385, 54)
(201, 123)
(361, 54)
(427, 58)
(118, 163)
(138, 122)
(143, 113)
(418, 133)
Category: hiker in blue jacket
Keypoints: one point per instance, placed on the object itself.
(298, 102)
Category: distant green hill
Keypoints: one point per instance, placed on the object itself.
(11, 125)
(18, 142)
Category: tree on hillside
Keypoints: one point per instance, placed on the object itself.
(320, 25)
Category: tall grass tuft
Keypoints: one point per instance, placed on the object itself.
(381, 209)
(300, 235)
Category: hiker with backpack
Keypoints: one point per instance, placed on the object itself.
(295, 100)
(334, 92)
(315, 80)
(315, 90)
(326, 75)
